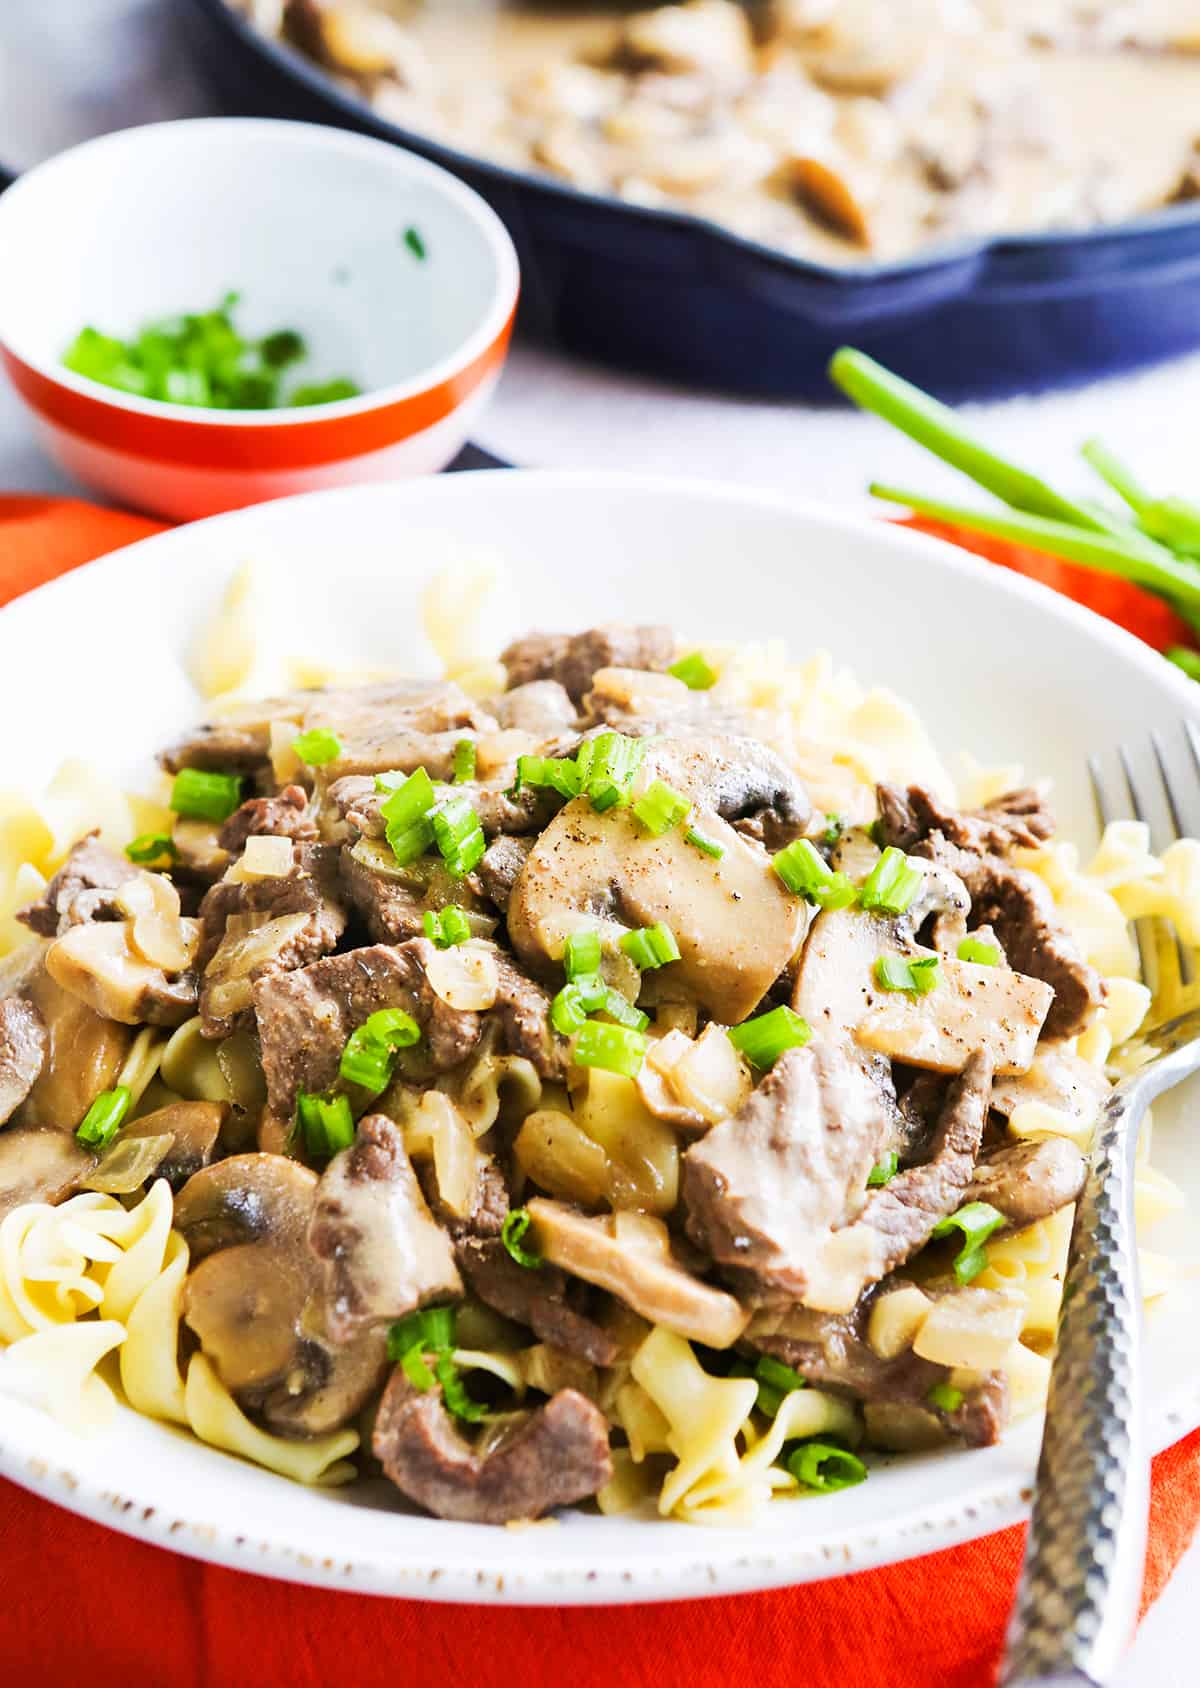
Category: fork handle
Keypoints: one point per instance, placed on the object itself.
(1085, 1552)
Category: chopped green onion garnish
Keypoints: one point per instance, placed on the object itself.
(807, 874)
(694, 672)
(1184, 658)
(205, 796)
(651, 946)
(104, 1118)
(318, 746)
(607, 765)
(763, 1040)
(898, 973)
(892, 883)
(976, 1221)
(150, 847)
(516, 1223)
(581, 956)
(577, 999)
(447, 928)
(459, 836)
(325, 1122)
(370, 1052)
(454, 1392)
(559, 773)
(835, 825)
(415, 243)
(979, 951)
(415, 1369)
(660, 808)
(821, 1466)
(431, 1331)
(464, 761)
(616, 1049)
(325, 392)
(410, 801)
(624, 1012)
(945, 1397)
(702, 842)
(775, 1380)
(884, 1170)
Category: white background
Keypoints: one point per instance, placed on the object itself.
(70, 68)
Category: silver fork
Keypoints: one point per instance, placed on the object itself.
(1084, 1557)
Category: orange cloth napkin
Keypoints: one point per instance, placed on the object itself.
(81, 1603)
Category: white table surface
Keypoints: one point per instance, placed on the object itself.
(71, 68)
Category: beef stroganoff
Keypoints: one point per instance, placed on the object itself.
(633, 1070)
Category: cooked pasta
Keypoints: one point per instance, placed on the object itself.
(495, 1060)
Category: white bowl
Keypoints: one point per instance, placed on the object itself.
(997, 665)
(308, 224)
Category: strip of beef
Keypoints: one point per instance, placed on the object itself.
(80, 891)
(221, 747)
(1028, 1181)
(391, 909)
(1019, 907)
(765, 1189)
(284, 816)
(541, 707)
(359, 807)
(249, 928)
(22, 1052)
(523, 1010)
(1016, 819)
(572, 659)
(500, 868)
(397, 725)
(550, 1457)
(543, 1299)
(306, 1016)
(831, 1351)
(383, 1253)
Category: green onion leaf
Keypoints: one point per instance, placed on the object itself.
(409, 802)
(945, 1397)
(151, 847)
(415, 1369)
(459, 836)
(325, 392)
(807, 874)
(651, 946)
(431, 1331)
(615, 1049)
(559, 773)
(454, 1391)
(370, 1053)
(976, 1221)
(979, 951)
(448, 928)
(581, 956)
(104, 1118)
(892, 883)
(624, 1012)
(660, 808)
(1184, 658)
(325, 1122)
(884, 1170)
(464, 761)
(899, 973)
(205, 796)
(763, 1040)
(516, 1223)
(318, 746)
(709, 846)
(577, 999)
(775, 1380)
(694, 672)
(415, 243)
(835, 825)
(825, 1468)
(607, 765)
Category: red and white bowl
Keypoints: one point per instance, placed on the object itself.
(308, 225)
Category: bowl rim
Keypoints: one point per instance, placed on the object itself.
(1041, 246)
(497, 315)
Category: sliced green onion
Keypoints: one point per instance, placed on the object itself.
(577, 999)
(325, 1122)
(694, 672)
(325, 392)
(892, 883)
(559, 773)
(651, 946)
(806, 873)
(884, 1170)
(701, 841)
(454, 1391)
(1184, 658)
(660, 808)
(205, 796)
(464, 761)
(976, 1221)
(458, 836)
(825, 1468)
(899, 973)
(414, 240)
(835, 825)
(406, 816)
(104, 1118)
(516, 1223)
(763, 1040)
(624, 1012)
(775, 1380)
(979, 951)
(945, 1397)
(318, 746)
(151, 847)
(447, 928)
(607, 765)
(415, 1369)
(431, 1331)
(615, 1049)
(581, 955)
(370, 1052)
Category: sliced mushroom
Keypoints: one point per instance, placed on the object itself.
(630, 1255)
(736, 926)
(84, 1054)
(835, 983)
(1058, 1079)
(838, 191)
(254, 1296)
(100, 964)
(529, 1463)
(968, 1006)
(193, 1127)
(708, 36)
(40, 1166)
(22, 1052)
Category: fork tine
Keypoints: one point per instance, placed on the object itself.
(1187, 971)
(1144, 929)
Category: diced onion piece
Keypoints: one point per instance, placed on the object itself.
(129, 1164)
(437, 1130)
(557, 1154)
(710, 1076)
(266, 858)
(971, 1327)
(465, 977)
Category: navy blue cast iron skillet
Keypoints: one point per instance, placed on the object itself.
(680, 297)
